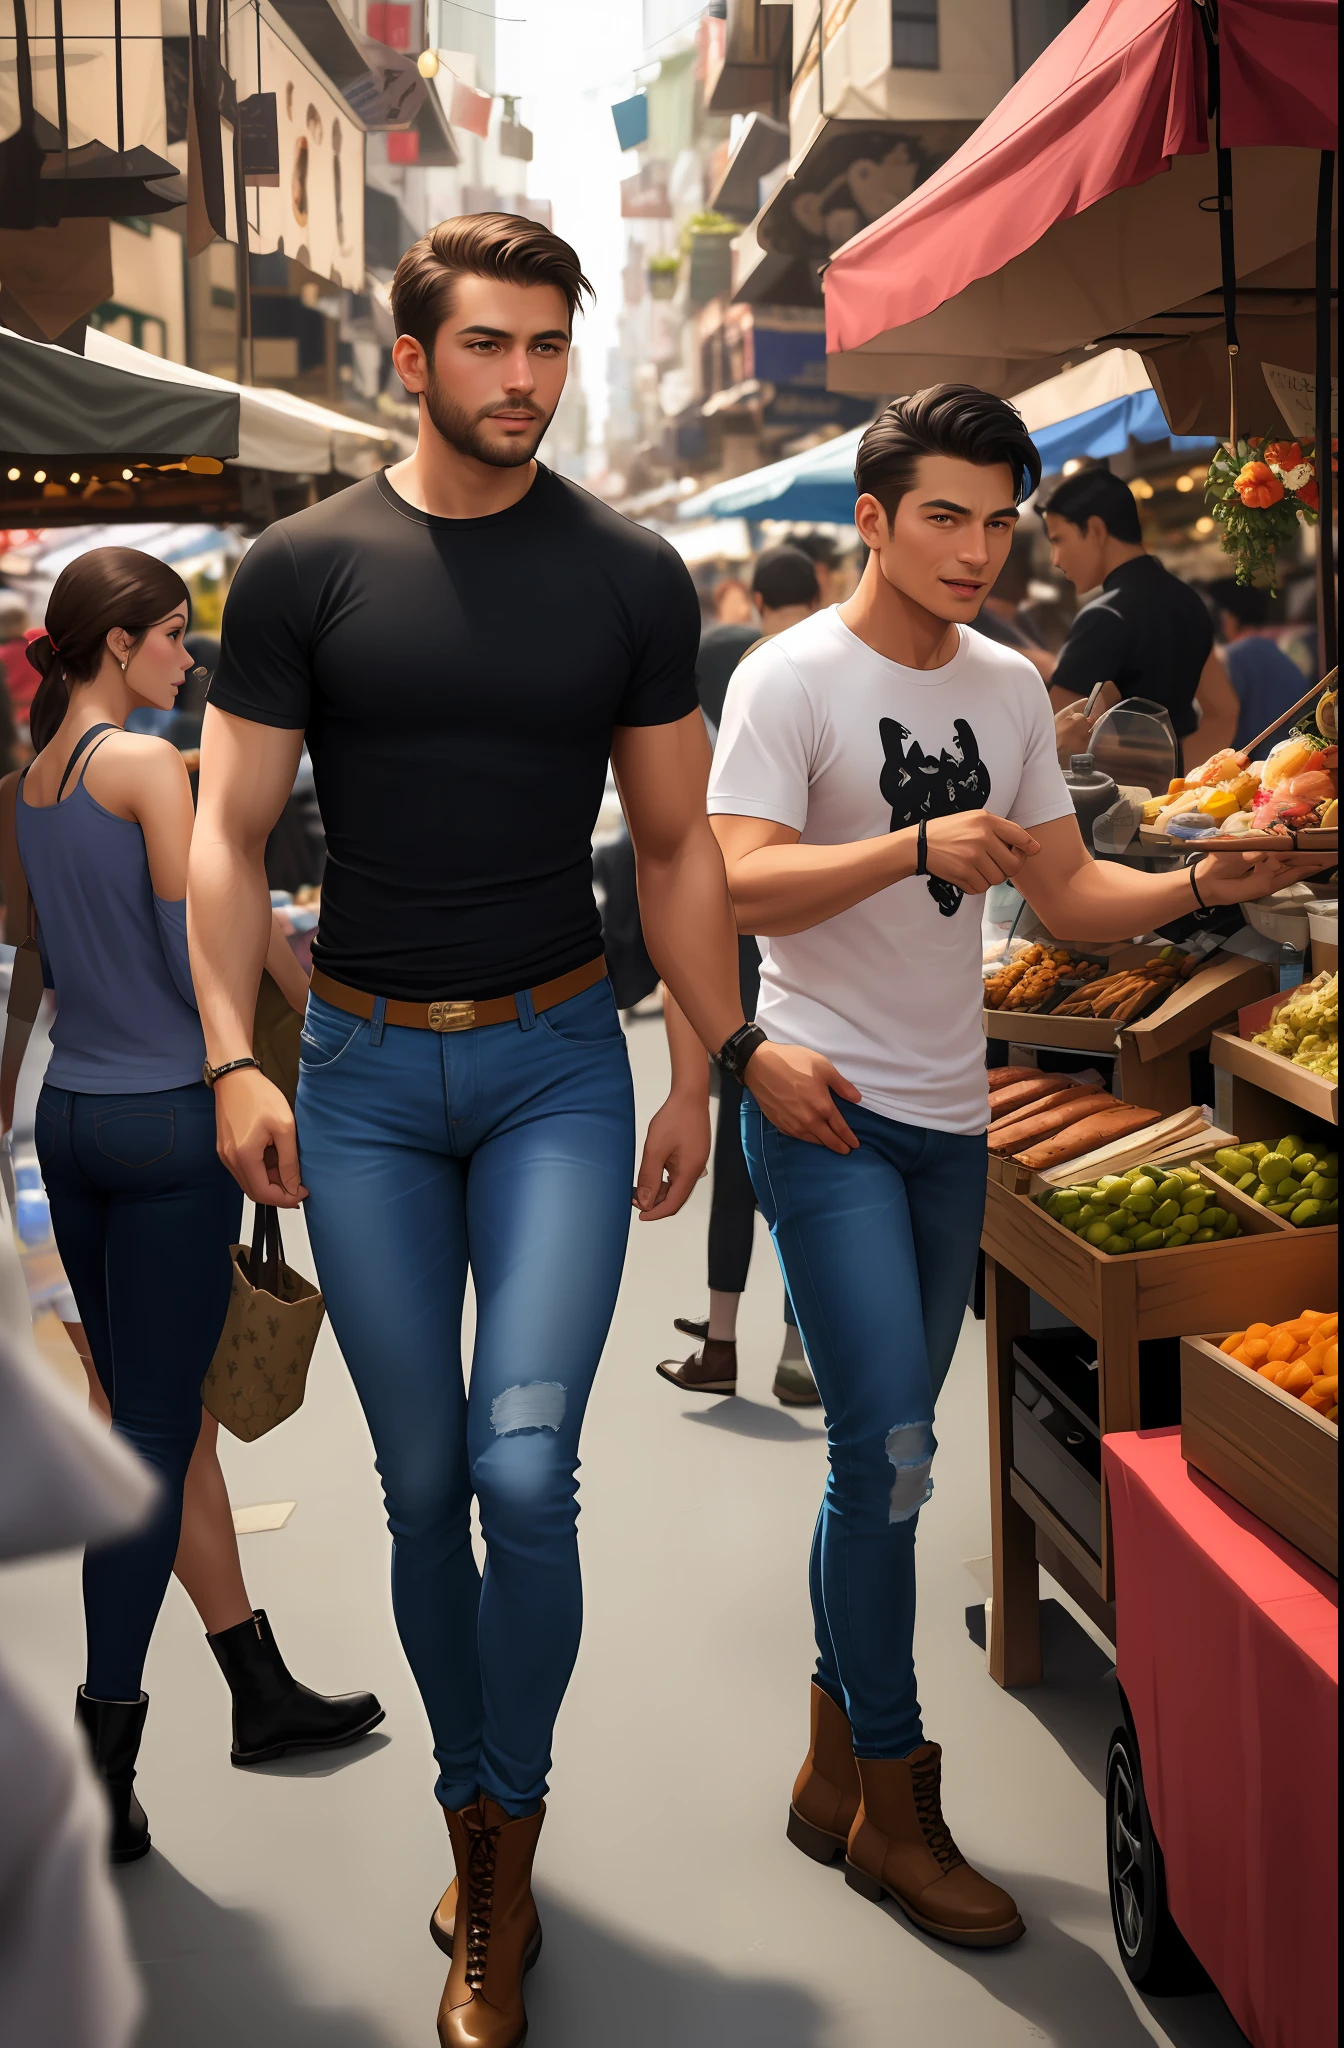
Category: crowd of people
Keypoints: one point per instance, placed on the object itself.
(464, 1099)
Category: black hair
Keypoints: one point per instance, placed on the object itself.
(1096, 494)
(947, 419)
(818, 547)
(104, 588)
(1249, 604)
(784, 576)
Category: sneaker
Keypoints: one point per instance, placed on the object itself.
(794, 1385)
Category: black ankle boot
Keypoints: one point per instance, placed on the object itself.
(114, 1728)
(272, 1713)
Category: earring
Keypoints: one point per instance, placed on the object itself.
(123, 668)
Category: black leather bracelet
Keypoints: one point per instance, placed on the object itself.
(735, 1052)
(922, 848)
(1192, 862)
(211, 1074)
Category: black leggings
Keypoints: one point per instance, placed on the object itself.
(732, 1209)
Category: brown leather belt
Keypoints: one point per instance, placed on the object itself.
(458, 1016)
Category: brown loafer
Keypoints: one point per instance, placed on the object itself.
(794, 1385)
(710, 1370)
(825, 1799)
(900, 1845)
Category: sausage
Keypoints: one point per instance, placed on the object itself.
(1087, 1135)
(1019, 1093)
(1029, 1128)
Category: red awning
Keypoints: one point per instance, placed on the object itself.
(1117, 96)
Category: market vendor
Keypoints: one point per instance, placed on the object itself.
(1147, 630)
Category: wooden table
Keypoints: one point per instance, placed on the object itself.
(1118, 1302)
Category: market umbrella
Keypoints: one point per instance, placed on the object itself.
(1093, 410)
(1083, 210)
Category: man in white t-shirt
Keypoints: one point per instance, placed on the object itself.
(877, 764)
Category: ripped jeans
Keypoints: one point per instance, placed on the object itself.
(509, 1150)
(878, 1249)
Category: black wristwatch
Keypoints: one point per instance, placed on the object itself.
(211, 1074)
(734, 1053)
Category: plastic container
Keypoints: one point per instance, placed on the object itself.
(1136, 745)
(1093, 793)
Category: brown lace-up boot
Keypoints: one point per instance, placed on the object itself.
(443, 1920)
(900, 1845)
(497, 1935)
(826, 1790)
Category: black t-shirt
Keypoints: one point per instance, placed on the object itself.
(721, 649)
(1148, 633)
(458, 681)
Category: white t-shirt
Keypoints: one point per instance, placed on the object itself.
(823, 734)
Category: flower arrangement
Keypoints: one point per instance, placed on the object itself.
(1258, 493)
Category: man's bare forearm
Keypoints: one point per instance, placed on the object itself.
(689, 1060)
(691, 934)
(229, 933)
(783, 889)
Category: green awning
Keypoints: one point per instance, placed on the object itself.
(54, 403)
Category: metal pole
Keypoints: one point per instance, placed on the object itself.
(1326, 616)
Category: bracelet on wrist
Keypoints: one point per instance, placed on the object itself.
(1192, 862)
(922, 848)
(733, 1055)
(211, 1074)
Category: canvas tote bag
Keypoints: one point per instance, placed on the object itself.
(260, 1367)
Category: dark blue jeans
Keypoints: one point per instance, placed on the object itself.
(508, 1150)
(143, 1214)
(878, 1249)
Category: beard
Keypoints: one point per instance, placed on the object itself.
(465, 431)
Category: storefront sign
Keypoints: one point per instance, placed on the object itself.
(1294, 393)
(315, 214)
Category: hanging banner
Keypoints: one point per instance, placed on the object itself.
(315, 213)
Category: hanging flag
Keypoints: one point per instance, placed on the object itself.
(632, 120)
(470, 109)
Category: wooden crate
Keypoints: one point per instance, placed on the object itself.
(1258, 1078)
(1277, 1458)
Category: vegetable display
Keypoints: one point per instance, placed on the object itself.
(1148, 1209)
(1305, 1028)
(1297, 1178)
(1034, 976)
(1300, 1356)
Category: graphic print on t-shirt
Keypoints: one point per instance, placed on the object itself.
(919, 785)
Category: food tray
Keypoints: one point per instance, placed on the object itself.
(1313, 1093)
(1275, 1457)
(1307, 839)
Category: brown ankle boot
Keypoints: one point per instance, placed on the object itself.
(443, 1920)
(900, 1844)
(710, 1370)
(826, 1790)
(482, 2004)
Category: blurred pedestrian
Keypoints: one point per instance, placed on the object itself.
(731, 602)
(784, 585)
(1266, 681)
(1145, 630)
(142, 1208)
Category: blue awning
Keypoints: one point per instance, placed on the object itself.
(819, 485)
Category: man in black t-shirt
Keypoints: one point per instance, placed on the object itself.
(1147, 632)
(465, 640)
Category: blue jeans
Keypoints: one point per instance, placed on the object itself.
(509, 1150)
(878, 1249)
(143, 1214)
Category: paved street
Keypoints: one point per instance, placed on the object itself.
(287, 1907)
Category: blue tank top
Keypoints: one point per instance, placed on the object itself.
(113, 951)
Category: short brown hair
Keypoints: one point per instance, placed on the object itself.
(104, 588)
(501, 245)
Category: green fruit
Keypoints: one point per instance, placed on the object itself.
(1187, 1223)
(1195, 1202)
(1108, 1181)
(1169, 1187)
(1281, 1208)
(1151, 1241)
(1327, 1186)
(1173, 1239)
(1329, 1212)
(1232, 1228)
(1255, 1150)
(1328, 1164)
(1247, 1183)
(1231, 1164)
(1202, 1237)
(1306, 1212)
(1115, 1245)
(1288, 1148)
(1135, 1230)
(1142, 1184)
(1164, 1216)
(1304, 1164)
(1189, 1174)
(1087, 1214)
(1275, 1167)
(1215, 1217)
(1139, 1205)
(1097, 1233)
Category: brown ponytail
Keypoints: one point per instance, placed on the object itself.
(105, 588)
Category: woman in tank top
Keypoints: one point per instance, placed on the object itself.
(142, 1209)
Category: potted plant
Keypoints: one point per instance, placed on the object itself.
(708, 241)
(663, 273)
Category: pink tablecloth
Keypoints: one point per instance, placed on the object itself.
(1227, 1649)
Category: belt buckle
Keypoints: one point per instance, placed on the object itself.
(452, 1016)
